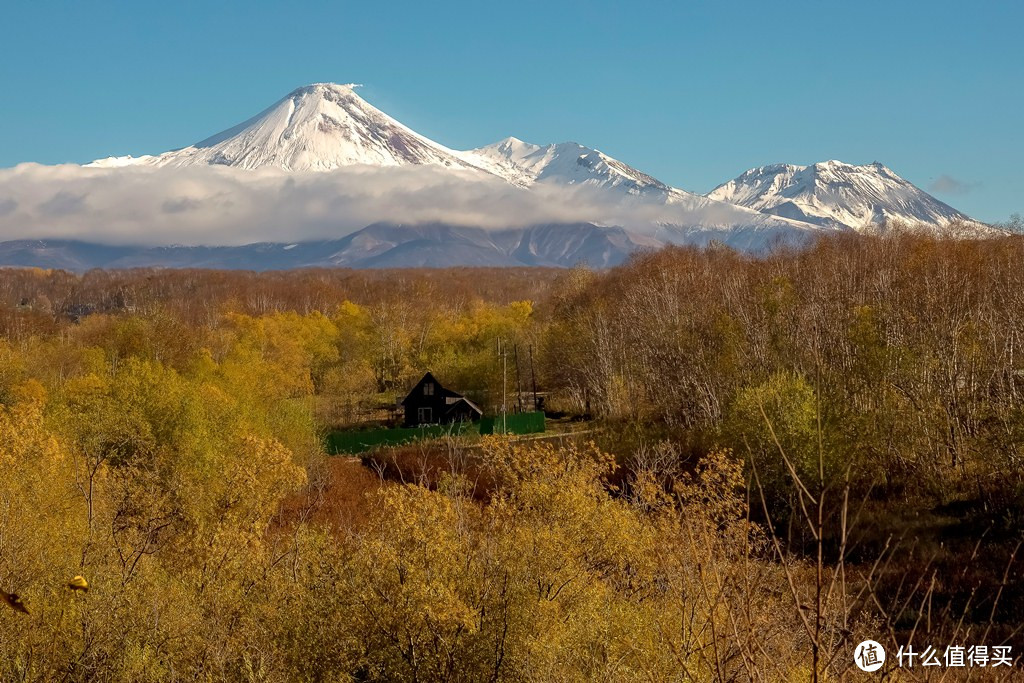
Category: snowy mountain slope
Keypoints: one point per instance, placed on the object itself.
(569, 164)
(566, 163)
(318, 127)
(837, 195)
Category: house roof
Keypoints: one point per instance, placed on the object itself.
(465, 400)
(441, 391)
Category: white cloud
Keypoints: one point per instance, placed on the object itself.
(947, 184)
(225, 206)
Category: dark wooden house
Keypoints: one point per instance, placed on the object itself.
(430, 403)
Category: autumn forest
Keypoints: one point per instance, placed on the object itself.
(752, 465)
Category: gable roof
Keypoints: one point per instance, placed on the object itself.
(463, 399)
(441, 392)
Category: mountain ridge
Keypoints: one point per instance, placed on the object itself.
(838, 195)
(379, 245)
(325, 127)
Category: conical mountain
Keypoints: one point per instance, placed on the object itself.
(318, 127)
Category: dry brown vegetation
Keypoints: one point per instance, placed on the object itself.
(790, 454)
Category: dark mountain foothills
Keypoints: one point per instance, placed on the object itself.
(380, 245)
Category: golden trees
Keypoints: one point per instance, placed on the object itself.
(159, 487)
(41, 536)
(558, 577)
(151, 453)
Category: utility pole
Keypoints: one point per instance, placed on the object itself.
(519, 380)
(533, 375)
(503, 354)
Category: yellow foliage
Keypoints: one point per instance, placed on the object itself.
(182, 479)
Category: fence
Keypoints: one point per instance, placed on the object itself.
(359, 442)
(517, 423)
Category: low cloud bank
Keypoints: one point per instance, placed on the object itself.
(225, 206)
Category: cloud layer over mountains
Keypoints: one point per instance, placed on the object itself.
(228, 206)
(321, 163)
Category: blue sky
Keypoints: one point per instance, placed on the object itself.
(692, 93)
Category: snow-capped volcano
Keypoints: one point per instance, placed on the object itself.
(837, 195)
(324, 127)
(566, 163)
(318, 127)
(584, 204)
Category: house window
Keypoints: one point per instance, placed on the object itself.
(424, 415)
(428, 389)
